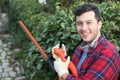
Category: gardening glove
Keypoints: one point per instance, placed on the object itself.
(57, 46)
(61, 67)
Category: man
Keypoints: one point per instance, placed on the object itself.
(95, 58)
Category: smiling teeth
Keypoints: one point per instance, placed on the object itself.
(84, 33)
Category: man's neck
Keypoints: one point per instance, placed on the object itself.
(94, 39)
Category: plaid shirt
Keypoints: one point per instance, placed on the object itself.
(102, 61)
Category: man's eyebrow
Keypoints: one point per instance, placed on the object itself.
(82, 21)
(78, 21)
(89, 20)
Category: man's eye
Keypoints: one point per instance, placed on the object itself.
(89, 22)
(79, 24)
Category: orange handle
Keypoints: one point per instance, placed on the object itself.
(33, 39)
(72, 68)
(61, 54)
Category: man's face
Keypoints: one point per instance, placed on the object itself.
(88, 27)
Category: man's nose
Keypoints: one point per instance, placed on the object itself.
(84, 27)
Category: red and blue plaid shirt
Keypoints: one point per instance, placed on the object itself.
(102, 62)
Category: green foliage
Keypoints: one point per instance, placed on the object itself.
(110, 12)
(51, 25)
(51, 4)
(3, 5)
(59, 27)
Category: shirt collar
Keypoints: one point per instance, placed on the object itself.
(94, 43)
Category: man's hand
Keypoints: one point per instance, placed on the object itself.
(57, 46)
(61, 67)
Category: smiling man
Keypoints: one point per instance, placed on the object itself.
(95, 58)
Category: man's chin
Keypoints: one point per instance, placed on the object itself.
(87, 41)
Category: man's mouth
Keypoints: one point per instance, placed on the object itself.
(85, 34)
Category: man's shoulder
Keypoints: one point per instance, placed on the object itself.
(103, 42)
(107, 48)
(106, 44)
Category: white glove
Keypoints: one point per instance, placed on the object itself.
(57, 46)
(61, 67)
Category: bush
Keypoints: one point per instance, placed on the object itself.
(111, 17)
(49, 28)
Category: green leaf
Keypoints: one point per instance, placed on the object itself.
(63, 25)
(39, 66)
(76, 37)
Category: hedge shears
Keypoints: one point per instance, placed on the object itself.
(59, 52)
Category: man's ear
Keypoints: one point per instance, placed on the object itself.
(100, 24)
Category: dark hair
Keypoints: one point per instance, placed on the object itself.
(88, 7)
